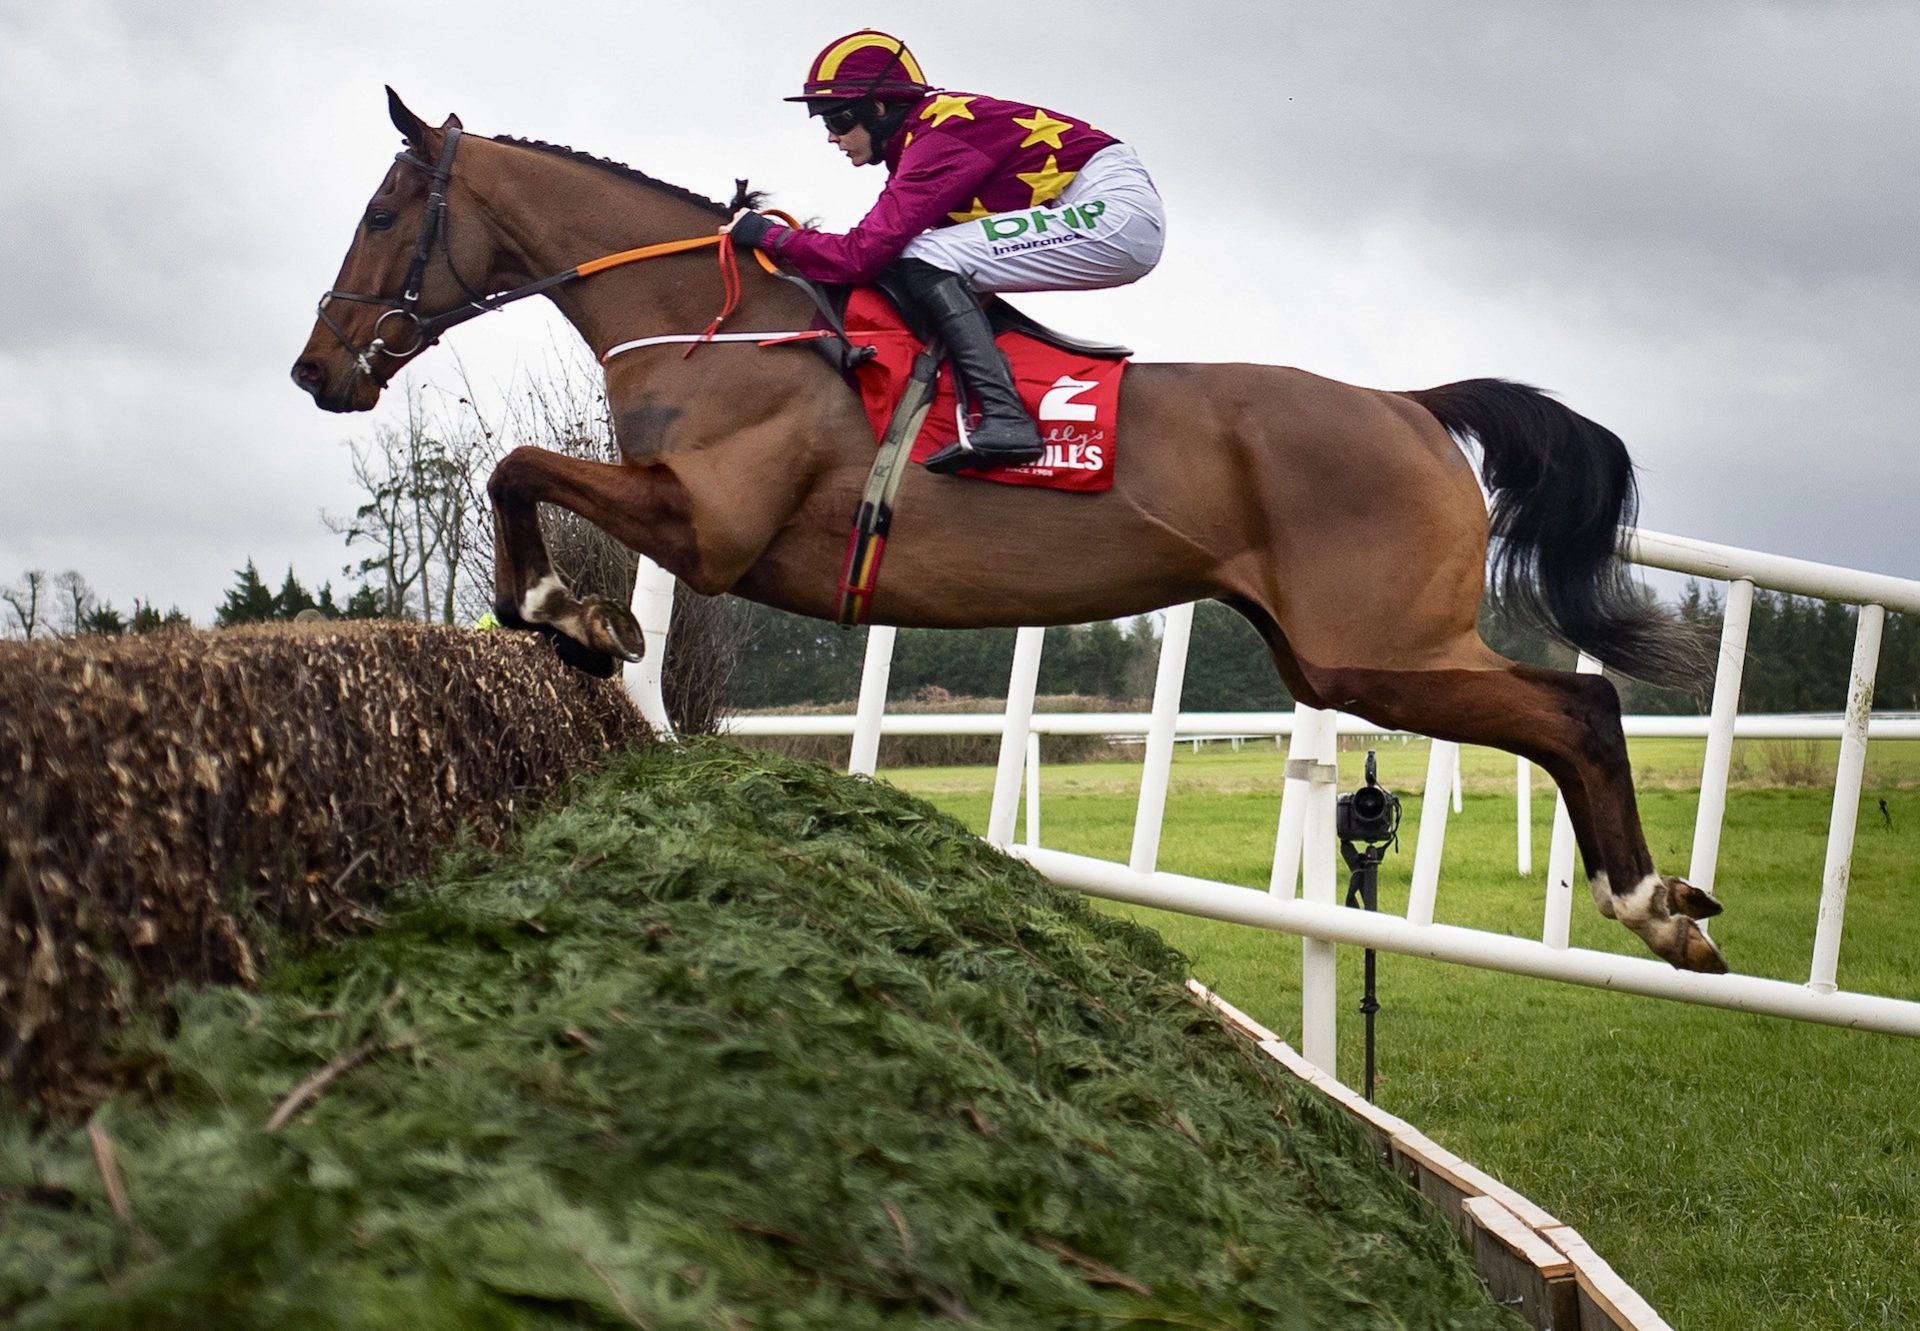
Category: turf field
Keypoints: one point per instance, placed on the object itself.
(1742, 1172)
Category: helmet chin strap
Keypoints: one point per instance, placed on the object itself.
(883, 122)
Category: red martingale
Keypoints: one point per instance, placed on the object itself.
(1074, 399)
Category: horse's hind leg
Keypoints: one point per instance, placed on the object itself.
(1570, 725)
(590, 633)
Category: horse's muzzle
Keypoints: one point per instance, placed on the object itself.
(312, 378)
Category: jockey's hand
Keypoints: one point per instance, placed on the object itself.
(747, 228)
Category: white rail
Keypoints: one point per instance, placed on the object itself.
(1470, 947)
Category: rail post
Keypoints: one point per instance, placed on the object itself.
(1846, 800)
(1021, 682)
(652, 606)
(871, 710)
(1712, 812)
(1175, 636)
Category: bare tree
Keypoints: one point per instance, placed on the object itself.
(76, 601)
(24, 598)
(564, 410)
(422, 500)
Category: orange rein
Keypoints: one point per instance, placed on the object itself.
(729, 267)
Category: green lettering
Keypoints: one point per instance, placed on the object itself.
(1090, 210)
(1039, 221)
(1019, 225)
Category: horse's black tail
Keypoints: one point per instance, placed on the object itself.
(1562, 489)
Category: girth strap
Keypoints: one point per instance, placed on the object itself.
(874, 518)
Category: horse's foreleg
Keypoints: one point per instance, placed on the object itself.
(1570, 725)
(591, 633)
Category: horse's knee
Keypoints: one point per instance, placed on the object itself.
(511, 473)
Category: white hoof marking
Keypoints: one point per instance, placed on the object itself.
(1602, 893)
(535, 599)
(1636, 907)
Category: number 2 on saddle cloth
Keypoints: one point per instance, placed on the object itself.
(1074, 399)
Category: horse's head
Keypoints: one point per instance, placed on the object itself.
(405, 270)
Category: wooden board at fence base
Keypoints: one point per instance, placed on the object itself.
(1522, 1270)
(1380, 1126)
(1448, 1181)
(1607, 1303)
(1235, 1018)
(1529, 1260)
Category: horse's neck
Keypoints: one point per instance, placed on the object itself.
(554, 212)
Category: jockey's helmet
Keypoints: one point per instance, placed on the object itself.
(852, 81)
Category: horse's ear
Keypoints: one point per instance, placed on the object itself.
(411, 126)
(453, 122)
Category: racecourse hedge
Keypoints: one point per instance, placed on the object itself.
(168, 802)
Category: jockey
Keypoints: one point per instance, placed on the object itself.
(982, 196)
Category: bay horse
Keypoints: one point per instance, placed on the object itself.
(1345, 523)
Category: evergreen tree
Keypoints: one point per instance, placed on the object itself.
(790, 660)
(104, 621)
(292, 598)
(365, 603)
(1898, 687)
(147, 619)
(1090, 659)
(970, 663)
(248, 600)
(1228, 666)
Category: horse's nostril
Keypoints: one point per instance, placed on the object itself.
(308, 375)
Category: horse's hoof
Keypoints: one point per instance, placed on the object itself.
(601, 665)
(1696, 903)
(1698, 953)
(614, 630)
(1662, 909)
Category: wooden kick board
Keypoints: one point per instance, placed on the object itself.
(1530, 1261)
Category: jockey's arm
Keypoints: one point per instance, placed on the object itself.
(937, 176)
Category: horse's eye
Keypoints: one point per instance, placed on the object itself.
(378, 219)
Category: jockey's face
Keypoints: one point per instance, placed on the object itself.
(856, 143)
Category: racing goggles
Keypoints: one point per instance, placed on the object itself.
(842, 117)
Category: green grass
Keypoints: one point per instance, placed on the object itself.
(725, 1042)
(1741, 1172)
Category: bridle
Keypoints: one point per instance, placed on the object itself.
(412, 333)
(402, 331)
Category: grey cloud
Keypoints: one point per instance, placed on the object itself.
(1696, 220)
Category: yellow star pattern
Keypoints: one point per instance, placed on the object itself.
(945, 107)
(973, 214)
(1043, 128)
(1049, 182)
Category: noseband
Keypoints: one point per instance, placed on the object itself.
(401, 331)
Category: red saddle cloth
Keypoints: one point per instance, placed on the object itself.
(1075, 399)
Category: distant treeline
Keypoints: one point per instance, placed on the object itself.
(1799, 650)
(1799, 655)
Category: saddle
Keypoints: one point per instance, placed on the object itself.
(1071, 388)
(846, 354)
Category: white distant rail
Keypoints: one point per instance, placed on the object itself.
(1227, 725)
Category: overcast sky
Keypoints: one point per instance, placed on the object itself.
(1696, 222)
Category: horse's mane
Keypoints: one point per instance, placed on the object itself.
(622, 170)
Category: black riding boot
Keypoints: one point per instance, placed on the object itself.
(1005, 435)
